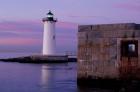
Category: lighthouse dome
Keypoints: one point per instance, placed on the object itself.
(50, 14)
(50, 17)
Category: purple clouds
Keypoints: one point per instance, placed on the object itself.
(19, 33)
(27, 34)
(131, 6)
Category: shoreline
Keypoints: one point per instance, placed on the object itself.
(40, 59)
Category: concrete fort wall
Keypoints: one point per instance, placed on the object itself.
(99, 51)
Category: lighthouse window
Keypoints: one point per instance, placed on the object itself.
(49, 16)
(129, 48)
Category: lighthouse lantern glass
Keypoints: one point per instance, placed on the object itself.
(50, 16)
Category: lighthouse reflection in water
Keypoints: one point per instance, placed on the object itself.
(17, 77)
(59, 77)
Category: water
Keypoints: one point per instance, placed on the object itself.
(16, 77)
(19, 77)
(14, 55)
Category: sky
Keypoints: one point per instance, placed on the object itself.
(21, 28)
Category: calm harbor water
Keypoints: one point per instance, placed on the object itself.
(23, 77)
(18, 77)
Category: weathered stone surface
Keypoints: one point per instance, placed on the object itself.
(99, 54)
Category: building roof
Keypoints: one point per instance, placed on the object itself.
(110, 27)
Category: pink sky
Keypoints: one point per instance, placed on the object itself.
(21, 27)
(29, 33)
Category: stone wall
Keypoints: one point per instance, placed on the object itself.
(99, 49)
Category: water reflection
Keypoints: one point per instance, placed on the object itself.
(45, 76)
(18, 77)
(95, 90)
(62, 78)
(136, 89)
(58, 77)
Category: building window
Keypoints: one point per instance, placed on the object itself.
(129, 48)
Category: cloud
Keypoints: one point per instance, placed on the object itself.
(87, 16)
(66, 25)
(31, 26)
(20, 35)
(77, 16)
(21, 26)
(18, 41)
(129, 6)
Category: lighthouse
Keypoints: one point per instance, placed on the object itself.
(49, 39)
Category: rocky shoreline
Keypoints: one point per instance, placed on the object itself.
(40, 59)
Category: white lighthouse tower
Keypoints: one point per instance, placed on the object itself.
(49, 42)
